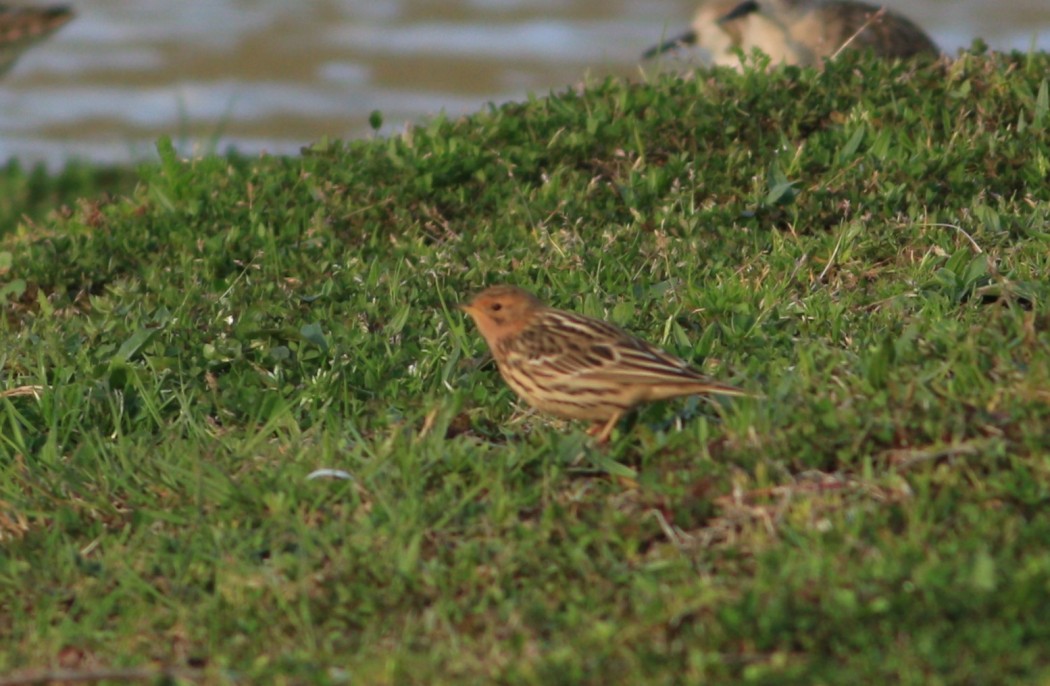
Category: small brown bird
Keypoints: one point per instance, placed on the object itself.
(22, 27)
(800, 32)
(578, 367)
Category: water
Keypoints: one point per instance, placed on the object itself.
(274, 75)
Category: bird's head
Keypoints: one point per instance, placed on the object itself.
(502, 311)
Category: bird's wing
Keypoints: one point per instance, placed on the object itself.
(590, 349)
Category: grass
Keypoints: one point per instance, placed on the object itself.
(27, 197)
(867, 247)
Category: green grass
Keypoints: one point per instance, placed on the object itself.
(27, 197)
(866, 247)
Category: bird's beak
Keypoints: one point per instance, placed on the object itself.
(742, 10)
(687, 38)
(465, 307)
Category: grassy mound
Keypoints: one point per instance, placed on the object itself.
(867, 247)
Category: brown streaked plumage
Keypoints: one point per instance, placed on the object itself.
(800, 32)
(22, 27)
(578, 367)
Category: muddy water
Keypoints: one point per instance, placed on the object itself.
(276, 74)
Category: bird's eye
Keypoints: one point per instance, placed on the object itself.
(496, 307)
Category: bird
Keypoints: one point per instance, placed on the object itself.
(710, 32)
(22, 27)
(800, 32)
(577, 367)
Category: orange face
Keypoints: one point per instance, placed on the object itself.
(501, 311)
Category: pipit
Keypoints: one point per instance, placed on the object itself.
(578, 367)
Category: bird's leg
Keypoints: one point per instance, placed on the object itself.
(601, 431)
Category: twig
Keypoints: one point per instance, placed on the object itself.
(877, 16)
(22, 390)
(973, 243)
(905, 459)
(45, 676)
(672, 534)
(834, 253)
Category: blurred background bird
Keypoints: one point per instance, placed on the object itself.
(799, 32)
(23, 27)
(711, 33)
(578, 367)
